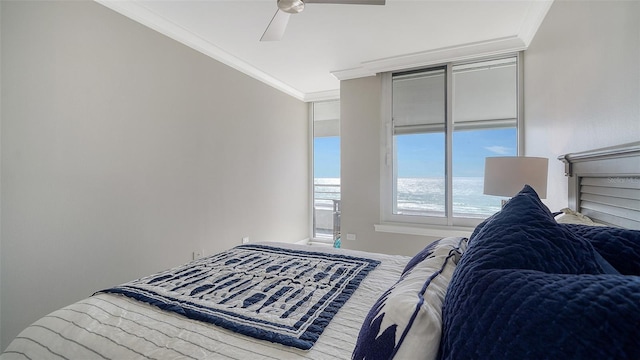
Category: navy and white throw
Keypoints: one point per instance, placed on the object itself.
(281, 295)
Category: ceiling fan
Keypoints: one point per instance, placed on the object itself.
(278, 24)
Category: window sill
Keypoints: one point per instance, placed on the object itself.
(432, 230)
(320, 242)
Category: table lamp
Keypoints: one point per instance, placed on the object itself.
(507, 175)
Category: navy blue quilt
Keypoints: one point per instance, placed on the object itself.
(270, 293)
(529, 288)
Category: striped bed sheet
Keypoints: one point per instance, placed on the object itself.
(111, 326)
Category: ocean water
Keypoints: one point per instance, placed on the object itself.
(426, 196)
(327, 188)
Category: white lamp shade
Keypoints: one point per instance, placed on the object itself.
(507, 175)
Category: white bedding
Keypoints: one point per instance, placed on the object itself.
(108, 326)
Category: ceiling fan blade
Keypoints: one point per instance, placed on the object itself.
(276, 27)
(347, 2)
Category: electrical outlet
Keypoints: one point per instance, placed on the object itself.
(351, 237)
(197, 254)
(245, 240)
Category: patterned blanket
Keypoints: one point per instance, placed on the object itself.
(275, 294)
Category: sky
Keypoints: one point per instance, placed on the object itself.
(326, 157)
(422, 155)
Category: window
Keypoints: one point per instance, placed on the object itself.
(326, 171)
(444, 121)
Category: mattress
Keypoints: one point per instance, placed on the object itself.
(112, 326)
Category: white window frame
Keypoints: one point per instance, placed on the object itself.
(425, 225)
(313, 240)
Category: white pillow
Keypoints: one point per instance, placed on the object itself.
(406, 322)
(572, 217)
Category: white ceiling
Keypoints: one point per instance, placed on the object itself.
(327, 43)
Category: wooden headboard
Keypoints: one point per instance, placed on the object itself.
(604, 184)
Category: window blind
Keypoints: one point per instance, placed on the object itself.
(326, 119)
(484, 96)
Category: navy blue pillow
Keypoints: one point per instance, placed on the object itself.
(607, 268)
(524, 235)
(480, 227)
(524, 314)
(528, 288)
(620, 247)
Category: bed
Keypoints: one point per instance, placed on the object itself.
(527, 284)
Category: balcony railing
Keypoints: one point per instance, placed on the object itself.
(326, 211)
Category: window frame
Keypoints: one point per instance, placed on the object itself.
(311, 137)
(387, 153)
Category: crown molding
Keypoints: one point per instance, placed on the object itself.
(322, 95)
(144, 16)
(432, 57)
(535, 15)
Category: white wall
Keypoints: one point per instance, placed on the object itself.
(581, 92)
(123, 151)
(582, 83)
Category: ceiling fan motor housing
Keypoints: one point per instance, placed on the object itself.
(278, 23)
(291, 6)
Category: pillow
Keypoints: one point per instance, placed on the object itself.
(441, 244)
(528, 288)
(568, 216)
(542, 210)
(480, 227)
(525, 314)
(620, 247)
(524, 235)
(406, 321)
(607, 268)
